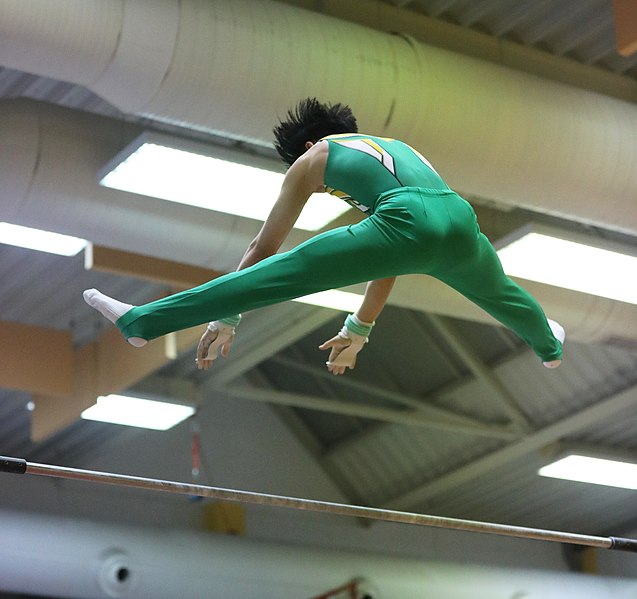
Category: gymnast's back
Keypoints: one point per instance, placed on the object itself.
(362, 167)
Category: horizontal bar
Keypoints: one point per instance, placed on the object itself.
(19, 466)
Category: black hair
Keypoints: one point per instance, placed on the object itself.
(310, 121)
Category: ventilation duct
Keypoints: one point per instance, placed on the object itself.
(49, 160)
(70, 558)
(233, 66)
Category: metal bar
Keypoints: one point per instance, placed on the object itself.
(20, 466)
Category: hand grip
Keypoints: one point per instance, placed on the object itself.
(13, 465)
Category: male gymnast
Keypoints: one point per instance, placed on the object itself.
(414, 224)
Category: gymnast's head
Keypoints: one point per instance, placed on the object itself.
(310, 121)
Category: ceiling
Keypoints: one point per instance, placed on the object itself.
(444, 415)
(581, 31)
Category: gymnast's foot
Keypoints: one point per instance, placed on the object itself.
(112, 309)
(559, 333)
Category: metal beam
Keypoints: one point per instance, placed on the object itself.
(562, 428)
(437, 417)
(499, 392)
(157, 270)
(311, 444)
(447, 391)
(311, 402)
(416, 325)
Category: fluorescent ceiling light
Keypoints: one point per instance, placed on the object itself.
(42, 241)
(133, 411)
(333, 298)
(152, 166)
(597, 471)
(549, 259)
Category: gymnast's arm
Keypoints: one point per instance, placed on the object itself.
(303, 178)
(376, 295)
(345, 345)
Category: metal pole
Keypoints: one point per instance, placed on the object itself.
(20, 466)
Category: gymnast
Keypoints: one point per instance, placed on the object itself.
(414, 224)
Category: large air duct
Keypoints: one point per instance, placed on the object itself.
(232, 66)
(47, 555)
(49, 163)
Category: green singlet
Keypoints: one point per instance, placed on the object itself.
(415, 224)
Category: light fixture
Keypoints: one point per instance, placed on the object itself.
(594, 470)
(42, 241)
(189, 172)
(571, 261)
(334, 299)
(134, 411)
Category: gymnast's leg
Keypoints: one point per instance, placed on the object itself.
(337, 258)
(481, 279)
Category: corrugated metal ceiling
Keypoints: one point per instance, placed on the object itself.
(583, 30)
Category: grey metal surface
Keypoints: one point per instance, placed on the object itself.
(582, 30)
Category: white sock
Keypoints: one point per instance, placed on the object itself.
(558, 331)
(110, 308)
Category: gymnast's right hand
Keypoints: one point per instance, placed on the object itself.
(344, 350)
(218, 337)
(346, 345)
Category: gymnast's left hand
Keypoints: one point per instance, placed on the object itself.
(217, 338)
(343, 352)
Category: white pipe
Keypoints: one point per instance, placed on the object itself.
(72, 558)
(232, 66)
(49, 160)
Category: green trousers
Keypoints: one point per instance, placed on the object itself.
(412, 230)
